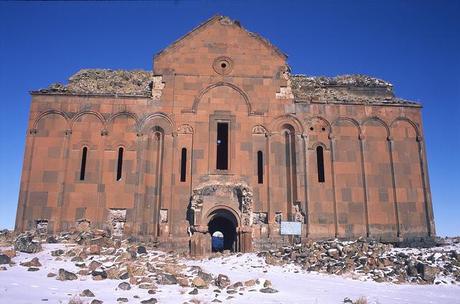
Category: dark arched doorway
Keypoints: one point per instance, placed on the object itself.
(223, 221)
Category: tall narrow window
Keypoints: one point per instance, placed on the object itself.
(320, 163)
(183, 165)
(120, 163)
(260, 167)
(291, 166)
(222, 146)
(84, 153)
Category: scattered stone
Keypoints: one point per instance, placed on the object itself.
(57, 252)
(194, 291)
(122, 300)
(199, 283)
(25, 243)
(33, 269)
(124, 286)
(51, 275)
(205, 276)
(149, 301)
(141, 249)
(94, 249)
(96, 301)
(32, 263)
(11, 253)
(4, 259)
(167, 279)
(222, 281)
(268, 290)
(87, 293)
(250, 283)
(65, 275)
(51, 239)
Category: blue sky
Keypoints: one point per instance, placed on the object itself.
(413, 44)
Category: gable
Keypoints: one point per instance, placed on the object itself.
(218, 41)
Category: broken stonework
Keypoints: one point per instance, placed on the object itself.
(113, 82)
(25, 243)
(343, 89)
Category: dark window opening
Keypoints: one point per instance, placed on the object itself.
(183, 165)
(120, 163)
(222, 146)
(83, 163)
(320, 163)
(260, 167)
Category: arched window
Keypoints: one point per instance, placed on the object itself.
(120, 163)
(183, 165)
(291, 166)
(84, 154)
(260, 167)
(320, 163)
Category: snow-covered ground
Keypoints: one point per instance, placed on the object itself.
(17, 285)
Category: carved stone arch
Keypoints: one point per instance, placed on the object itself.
(51, 112)
(212, 212)
(377, 119)
(158, 119)
(259, 130)
(317, 144)
(124, 113)
(85, 143)
(279, 122)
(241, 191)
(185, 129)
(310, 120)
(405, 119)
(94, 113)
(198, 98)
(335, 126)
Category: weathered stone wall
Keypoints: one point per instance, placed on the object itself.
(375, 178)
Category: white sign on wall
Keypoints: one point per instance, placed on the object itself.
(291, 228)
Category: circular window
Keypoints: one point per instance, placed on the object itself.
(222, 65)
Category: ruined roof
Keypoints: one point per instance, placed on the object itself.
(340, 89)
(105, 82)
(344, 89)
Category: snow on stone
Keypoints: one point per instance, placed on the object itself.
(294, 285)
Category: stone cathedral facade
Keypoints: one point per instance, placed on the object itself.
(220, 136)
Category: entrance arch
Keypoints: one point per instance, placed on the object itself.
(224, 221)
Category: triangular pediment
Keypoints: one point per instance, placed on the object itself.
(224, 20)
(220, 37)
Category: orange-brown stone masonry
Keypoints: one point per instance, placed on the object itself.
(375, 172)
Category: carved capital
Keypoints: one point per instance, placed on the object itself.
(104, 132)
(33, 131)
(419, 138)
(68, 132)
(361, 136)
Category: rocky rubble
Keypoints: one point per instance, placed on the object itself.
(343, 89)
(373, 260)
(105, 81)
